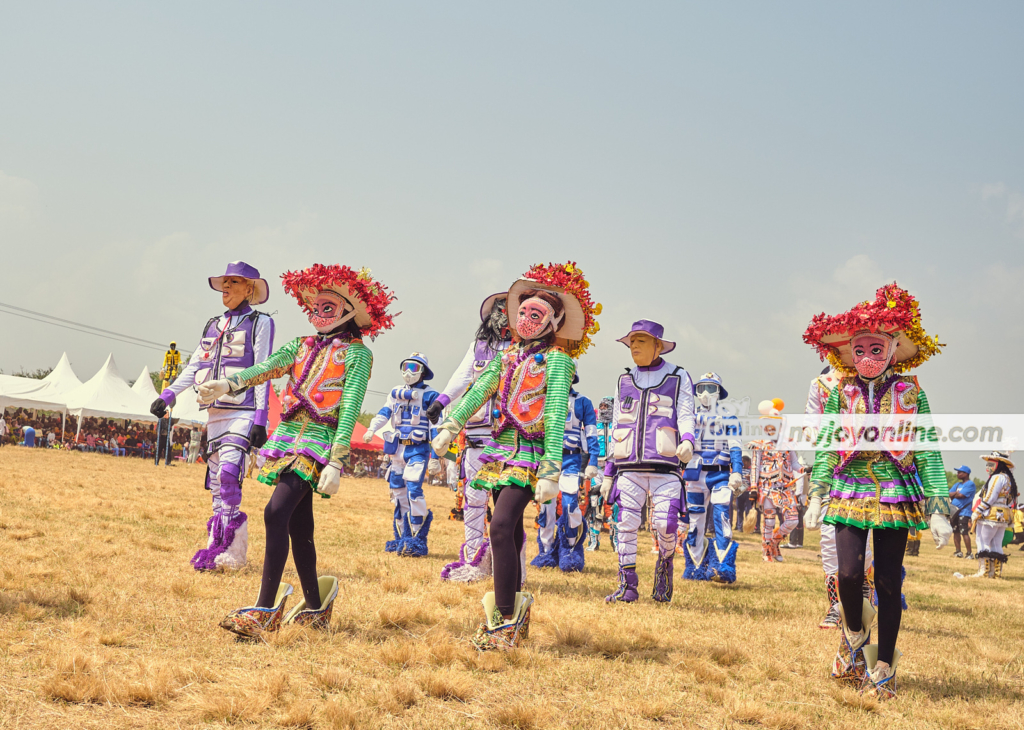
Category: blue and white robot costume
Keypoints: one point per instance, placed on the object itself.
(409, 448)
(580, 451)
(713, 474)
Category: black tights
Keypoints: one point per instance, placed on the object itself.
(290, 512)
(506, 542)
(889, 547)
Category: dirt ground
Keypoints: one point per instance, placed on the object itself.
(104, 624)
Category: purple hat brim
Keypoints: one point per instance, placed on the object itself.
(262, 290)
(667, 346)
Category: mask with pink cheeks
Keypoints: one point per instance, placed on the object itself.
(534, 319)
(328, 310)
(872, 353)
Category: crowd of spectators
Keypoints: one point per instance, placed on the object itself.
(101, 435)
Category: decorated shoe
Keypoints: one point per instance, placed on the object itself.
(318, 618)
(593, 538)
(415, 546)
(229, 553)
(697, 560)
(471, 566)
(880, 679)
(570, 543)
(663, 571)
(497, 633)
(546, 558)
(849, 664)
(627, 590)
(722, 566)
(392, 546)
(253, 621)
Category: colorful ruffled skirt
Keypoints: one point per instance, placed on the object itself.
(876, 495)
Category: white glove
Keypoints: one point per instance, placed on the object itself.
(684, 452)
(441, 442)
(368, 436)
(590, 472)
(211, 391)
(812, 517)
(330, 480)
(545, 490)
(736, 482)
(606, 488)
(941, 529)
(433, 467)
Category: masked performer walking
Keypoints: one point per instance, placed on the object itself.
(716, 472)
(492, 338)
(888, 490)
(409, 447)
(231, 342)
(552, 316)
(652, 438)
(328, 373)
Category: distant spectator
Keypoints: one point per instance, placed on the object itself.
(962, 495)
(30, 436)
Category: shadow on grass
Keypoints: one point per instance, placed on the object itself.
(963, 688)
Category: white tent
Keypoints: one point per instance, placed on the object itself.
(46, 394)
(144, 385)
(186, 408)
(107, 395)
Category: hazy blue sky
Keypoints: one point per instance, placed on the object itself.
(729, 169)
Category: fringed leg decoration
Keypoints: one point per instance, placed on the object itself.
(831, 620)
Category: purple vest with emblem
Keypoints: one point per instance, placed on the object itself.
(645, 436)
(480, 422)
(224, 355)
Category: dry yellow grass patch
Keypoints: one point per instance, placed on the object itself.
(103, 624)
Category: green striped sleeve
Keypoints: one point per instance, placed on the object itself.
(930, 468)
(557, 381)
(277, 365)
(825, 461)
(485, 386)
(358, 364)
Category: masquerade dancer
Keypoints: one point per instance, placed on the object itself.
(821, 388)
(773, 474)
(492, 338)
(652, 437)
(993, 514)
(237, 339)
(409, 447)
(580, 445)
(886, 491)
(715, 474)
(310, 447)
(552, 316)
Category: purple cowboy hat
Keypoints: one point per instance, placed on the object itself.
(653, 329)
(261, 292)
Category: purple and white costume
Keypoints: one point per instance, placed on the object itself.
(474, 561)
(232, 342)
(653, 414)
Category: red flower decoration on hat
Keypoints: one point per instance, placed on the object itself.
(373, 296)
(892, 310)
(569, 278)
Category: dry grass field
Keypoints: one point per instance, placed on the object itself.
(104, 624)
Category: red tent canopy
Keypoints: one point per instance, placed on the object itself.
(377, 444)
